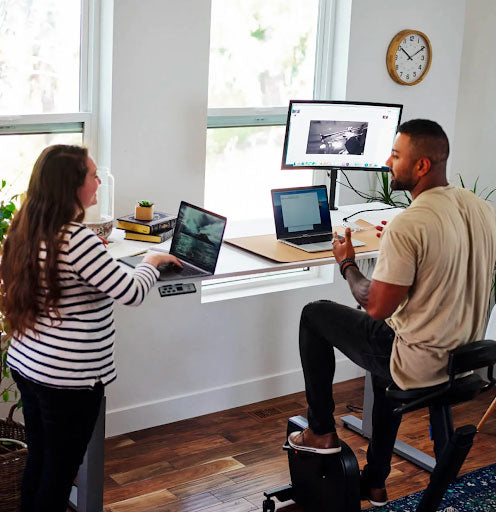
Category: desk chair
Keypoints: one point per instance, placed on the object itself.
(450, 447)
(490, 334)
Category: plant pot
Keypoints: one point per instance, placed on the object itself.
(12, 464)
(143, 212)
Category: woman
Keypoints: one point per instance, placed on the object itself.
(57, 288)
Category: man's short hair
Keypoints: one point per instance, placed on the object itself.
(428, 138)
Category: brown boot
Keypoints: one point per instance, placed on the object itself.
(307, 441)
(377, 496)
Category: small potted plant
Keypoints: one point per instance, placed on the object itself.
(144, 210)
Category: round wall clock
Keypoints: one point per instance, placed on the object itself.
(409, 56)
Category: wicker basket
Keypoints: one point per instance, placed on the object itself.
(11, 466)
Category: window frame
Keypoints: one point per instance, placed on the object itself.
(83, 121)
(230, 117)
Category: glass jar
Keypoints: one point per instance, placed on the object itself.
(100, 217)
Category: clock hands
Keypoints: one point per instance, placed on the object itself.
(418, 51)
(401, 48)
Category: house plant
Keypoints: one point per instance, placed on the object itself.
(144, 210)
(13, 450)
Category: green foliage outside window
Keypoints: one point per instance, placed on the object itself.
(8, 391)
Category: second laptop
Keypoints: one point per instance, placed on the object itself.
(302, 218)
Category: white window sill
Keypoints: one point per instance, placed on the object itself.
(258, 284)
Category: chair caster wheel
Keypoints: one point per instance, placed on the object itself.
(268, 506)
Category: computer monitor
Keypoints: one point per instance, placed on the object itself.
(339, 134)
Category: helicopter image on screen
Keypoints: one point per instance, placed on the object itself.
(337, 137)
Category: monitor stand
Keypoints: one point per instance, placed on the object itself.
(332, 174)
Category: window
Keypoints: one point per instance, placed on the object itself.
(262, 54)
(44, 86)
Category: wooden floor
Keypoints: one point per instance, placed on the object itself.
(223, 462)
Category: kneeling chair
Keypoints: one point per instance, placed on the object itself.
(331, 483)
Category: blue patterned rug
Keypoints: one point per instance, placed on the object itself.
(472, 492)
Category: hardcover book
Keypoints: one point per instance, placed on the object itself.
(156, 238)
(160, 222)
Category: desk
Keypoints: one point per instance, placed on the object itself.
(232, 262)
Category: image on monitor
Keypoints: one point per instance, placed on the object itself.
(339, 134)
(337, 137)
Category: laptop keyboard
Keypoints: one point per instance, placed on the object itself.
(186, 271)
(310, 239)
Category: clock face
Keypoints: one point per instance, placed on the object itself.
(409, 57)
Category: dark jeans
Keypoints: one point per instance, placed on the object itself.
(326, 325)
(59, 424)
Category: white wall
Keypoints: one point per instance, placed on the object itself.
(178, 358)
(159, 101)
(475, 135)
(373, 25)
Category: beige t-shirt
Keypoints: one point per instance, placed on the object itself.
(444, 247)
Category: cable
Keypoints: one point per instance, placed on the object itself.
(369, 210)
(354, 408)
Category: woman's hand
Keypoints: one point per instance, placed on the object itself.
(161, 258)
(342, 248)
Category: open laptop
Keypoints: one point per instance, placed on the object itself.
(196, 241)
(302, 218)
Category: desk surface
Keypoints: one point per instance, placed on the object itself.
(237, 262)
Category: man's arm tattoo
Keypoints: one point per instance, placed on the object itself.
(359, 285)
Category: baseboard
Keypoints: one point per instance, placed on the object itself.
(176, 408)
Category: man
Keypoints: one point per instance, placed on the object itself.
(428, 294)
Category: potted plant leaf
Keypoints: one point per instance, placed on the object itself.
(13, 449)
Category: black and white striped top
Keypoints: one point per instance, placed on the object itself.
(78, 350)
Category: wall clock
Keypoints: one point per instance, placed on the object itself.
(409, 57)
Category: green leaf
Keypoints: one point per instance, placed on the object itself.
(5, 396)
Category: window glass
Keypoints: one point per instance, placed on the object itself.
(19, 153)
(262, 53)
(39, 56)
(243, 164)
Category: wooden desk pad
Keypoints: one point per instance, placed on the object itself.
(268, 246)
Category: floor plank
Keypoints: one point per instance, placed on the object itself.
(223, 462)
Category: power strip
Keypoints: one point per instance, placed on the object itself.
(176, 289)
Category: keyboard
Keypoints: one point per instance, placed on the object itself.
(303, 240)
(173, 271)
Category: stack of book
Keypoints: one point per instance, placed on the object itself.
(159, 229)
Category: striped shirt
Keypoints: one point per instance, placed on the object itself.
(77, 350)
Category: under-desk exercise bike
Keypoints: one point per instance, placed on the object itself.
(331, 483)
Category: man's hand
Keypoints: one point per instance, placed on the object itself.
(380, 228)
(342, 247)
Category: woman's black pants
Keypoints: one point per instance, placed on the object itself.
(324, 326)
(59, 424)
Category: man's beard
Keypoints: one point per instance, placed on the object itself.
(408, 185)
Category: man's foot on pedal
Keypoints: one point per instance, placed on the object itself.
(377, 496)
(307, 441)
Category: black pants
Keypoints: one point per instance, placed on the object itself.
(59, 424)
(324, 326)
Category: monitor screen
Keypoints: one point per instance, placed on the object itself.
(339, 134)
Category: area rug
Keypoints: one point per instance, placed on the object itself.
(472, 492)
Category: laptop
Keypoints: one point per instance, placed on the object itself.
(302, 218)
(196, 242)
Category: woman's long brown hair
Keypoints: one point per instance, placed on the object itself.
(51, 203)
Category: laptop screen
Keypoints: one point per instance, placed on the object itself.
(301, 211)
(198, 236)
